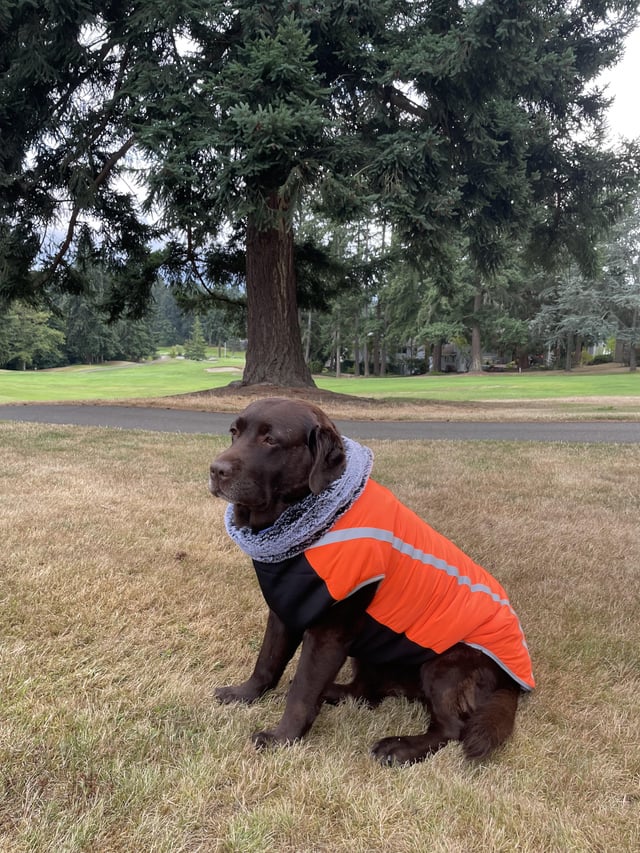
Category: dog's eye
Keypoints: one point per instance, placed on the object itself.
(269, 439)
(233, 433)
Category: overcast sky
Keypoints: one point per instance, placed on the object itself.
(624, 85)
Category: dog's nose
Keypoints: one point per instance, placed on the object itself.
(219, 476)
(220, 469)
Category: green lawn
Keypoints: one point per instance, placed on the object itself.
(178, 376)
(491, 386)
(115, 382)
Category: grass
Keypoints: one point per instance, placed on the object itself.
(124, 604)
(118, 381)
(606, 393)
(488, 386)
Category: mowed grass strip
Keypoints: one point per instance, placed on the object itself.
(605, 391)
(124, 604)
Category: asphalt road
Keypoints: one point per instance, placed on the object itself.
(217, 423)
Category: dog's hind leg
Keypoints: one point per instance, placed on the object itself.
(492, 724)
(469, 698)
(409, 749)
(372, 683)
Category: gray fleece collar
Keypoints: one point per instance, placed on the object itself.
(303, 523)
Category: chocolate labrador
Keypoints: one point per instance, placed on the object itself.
(350, 572)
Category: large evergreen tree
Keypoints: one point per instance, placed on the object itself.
(441, 116)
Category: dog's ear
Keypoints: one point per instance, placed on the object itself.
(329, 458)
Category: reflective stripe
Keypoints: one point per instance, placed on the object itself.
(380, 535)
(350, 534)
(502, 665)
(360, 586)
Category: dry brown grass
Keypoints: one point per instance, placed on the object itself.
(124, 604)
(342, 406)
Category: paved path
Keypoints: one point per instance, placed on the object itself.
(175, 420)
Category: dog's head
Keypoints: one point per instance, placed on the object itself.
(281, 451)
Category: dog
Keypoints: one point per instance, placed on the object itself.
(350, 572)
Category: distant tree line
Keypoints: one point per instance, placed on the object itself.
(75, 329)
(399, 320)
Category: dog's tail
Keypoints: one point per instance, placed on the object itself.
(491, 724)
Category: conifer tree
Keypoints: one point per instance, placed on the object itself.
(195, 347)
(441, 116)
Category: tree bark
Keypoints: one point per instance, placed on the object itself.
(356, 347)
(476, 342)
(436, 363)
(307, 340)
(365, 346)
(274, 347)
(633, 358)
(383, 343)
(569, 351)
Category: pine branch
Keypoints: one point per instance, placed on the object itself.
(108, 112)
(398, 99)
(77, 209)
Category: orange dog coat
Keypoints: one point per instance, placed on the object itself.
(429, 594)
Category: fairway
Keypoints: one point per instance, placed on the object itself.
(170, 377)
(490, 386)
(117, 382)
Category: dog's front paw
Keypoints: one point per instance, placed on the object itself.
(266, 740)
(244, 692)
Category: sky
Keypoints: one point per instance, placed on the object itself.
(624, 85)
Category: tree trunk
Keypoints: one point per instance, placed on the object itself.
(307, 341)
(633, 358)
(274, 347)
(436, 362)
(383, 342)
(476, 342)
(568, 353)
(375, 356)
(356, 346)
(365, 346)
